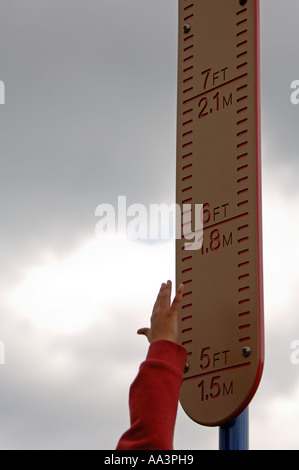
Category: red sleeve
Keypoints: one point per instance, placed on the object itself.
(153, 398)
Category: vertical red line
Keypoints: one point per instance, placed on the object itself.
(259, 186)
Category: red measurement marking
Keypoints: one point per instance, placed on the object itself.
(225, 221)
(188, 90)
(242, 22)
(242, 87)
(243, 327)
(241, 11)
(245, 263)
(242, 340)
(188, 17)
(242, 191)
(189, 211)
(187, 189)
(243, 252)
(187, 330)
(244, 301)
(189, 37)
(243, 203)
(224, 369)
(241, 65)
(187, 155)
(242, 155)
(243, 227)
(188, 68)
(244, 314)
(188, 79)
(241, 180)
(187, 318)
(187, 122)
(242, 144)
(242, 133)
(242, 98)
(187, 201)
(188, 47)
(187, 144)
(186, 306)
(242, 289)
(241, 240)
(216, 88)
(240, 44)
(187, 294)
(241, 33)
(244, 276)
(185, 271)
(186, 178)
(188, 58)
(187, 166)
(187, 133)
(189, 6)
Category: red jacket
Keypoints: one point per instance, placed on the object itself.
(153, 398)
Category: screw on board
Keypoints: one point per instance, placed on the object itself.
(243, 2)
(186, 367)
(246, 351)
(186, 28)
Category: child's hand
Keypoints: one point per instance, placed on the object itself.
(164, 320)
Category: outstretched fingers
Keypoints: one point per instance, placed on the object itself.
(157, 304)
(164, 319)
(165, 297)
(177, 299)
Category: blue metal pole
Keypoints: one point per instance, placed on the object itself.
(234, 435)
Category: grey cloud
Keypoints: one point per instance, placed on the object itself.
(279, 67)
(89, 113)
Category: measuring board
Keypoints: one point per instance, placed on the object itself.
(218, 165)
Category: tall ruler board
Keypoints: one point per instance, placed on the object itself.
(218, 165)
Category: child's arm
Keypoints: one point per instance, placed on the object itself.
(154, 393)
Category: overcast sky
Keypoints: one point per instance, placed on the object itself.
(90, 114)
